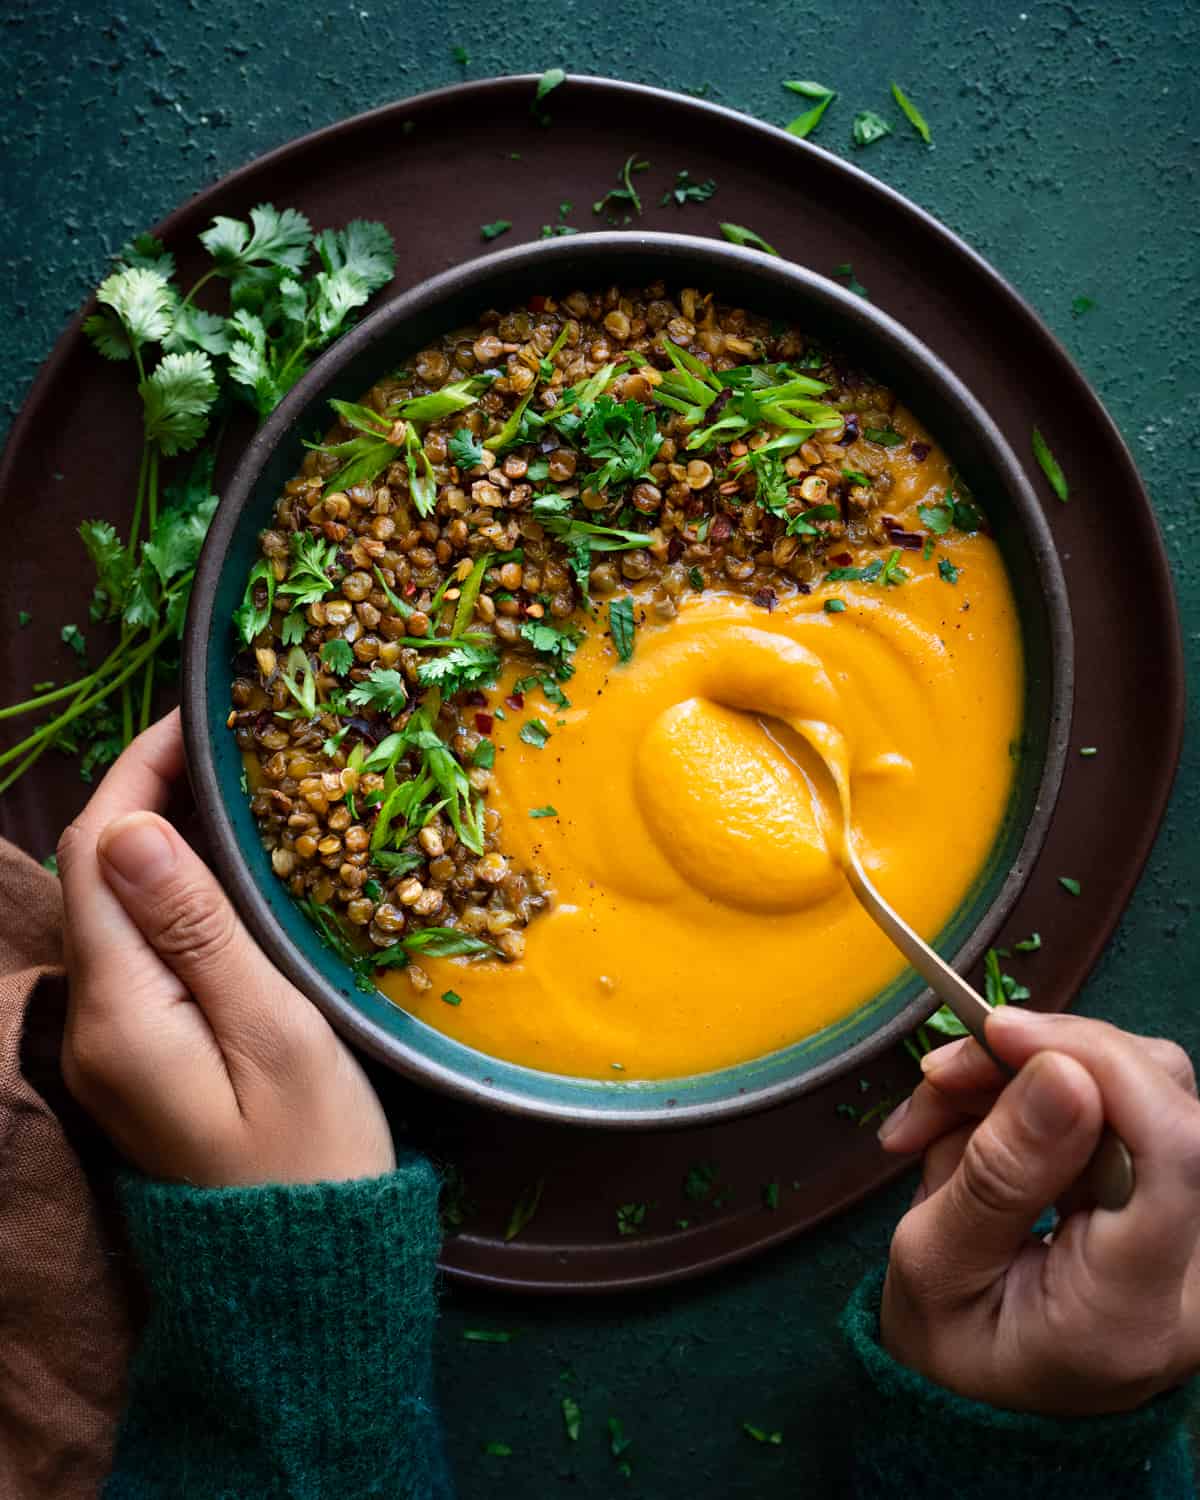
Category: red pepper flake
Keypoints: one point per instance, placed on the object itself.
(842, 559)
(515, 700)
(484, 722)
(410, 589)
(765, 599)
(476, 699)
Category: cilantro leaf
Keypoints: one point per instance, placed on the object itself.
(1031, 944)
(177, 538)
(338, 656)
(687, 191)
(251, 618)
(1081, 305)
(912, 114)
(622, 624)
(495, 229)
(460, 668)
(148, 252)
(272, 237)
(738, 234)
(624, 435)
(852, 282)
(72, 636)
(141, 303)
(534, 733)
(524, 1209)
(461, 56)
(308, 580)
(551, 79)
(294, 628)
(624, 194)
(834, 606)
(194, 328)
(465, 449)
(947, 570)
(384, 690)
(558, 646)
(869, 127)
(887, 437)
(177, 398)
(548, 811)
(938, 518)
(1069, 883)
(572, 1418)
(113, 565)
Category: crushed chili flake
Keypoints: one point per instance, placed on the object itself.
(484, 722)
(515, 700)
(913, 541)
(476, 699)
(842, 559)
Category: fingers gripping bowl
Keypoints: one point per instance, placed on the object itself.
(698, 699)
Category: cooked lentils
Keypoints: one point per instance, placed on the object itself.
(703, 527)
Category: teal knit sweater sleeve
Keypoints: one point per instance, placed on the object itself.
(288, 1347)
(915, 1438)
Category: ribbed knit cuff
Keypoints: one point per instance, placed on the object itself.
(916, 1433)
(289, 1336)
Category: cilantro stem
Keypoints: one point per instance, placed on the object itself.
(126, 714)
(51, 729)
(139, 501)
(207, 277)
(71, 688)
(34, 755)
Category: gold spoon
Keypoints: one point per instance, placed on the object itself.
(1108, 1178)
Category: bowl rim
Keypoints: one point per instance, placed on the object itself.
(590, 251)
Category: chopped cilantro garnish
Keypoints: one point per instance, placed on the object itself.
(912, 114)
(1050, 466)
(461, 56)
(1081, 305)
(622, 625)
(452, 997)
(761, 1435)
(738, 234)
(883, 435)
(498, 1450)
(834, 606)
(1088, 750)
(687, 191)
(51, 863)
(486, 1335)
(534, 733)
(617, 201)
(1069, 883)
(869, 127)
(770, 1195)
(543, 812)
(696, 579)
(867, 574)
(546, 84)
(700, 1180)
(493, 230)
(465, 449)
(338, 656)
(72, 636)
(572, 1418)
(459, 668)
(1031, 944)
(630, 1218)
(846, 273)
(23, 617)
(855, 476)
(384, 690)
(524, 1209)
(485, 754)
(892, 572)
(947, 570)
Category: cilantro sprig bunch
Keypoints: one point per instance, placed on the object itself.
(189, 366)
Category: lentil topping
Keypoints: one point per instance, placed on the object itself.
(502, 495)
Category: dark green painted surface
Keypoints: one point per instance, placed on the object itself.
(1066, 151)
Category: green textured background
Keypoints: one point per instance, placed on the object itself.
(1067, 141)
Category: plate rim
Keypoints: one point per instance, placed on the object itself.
(1168, 628)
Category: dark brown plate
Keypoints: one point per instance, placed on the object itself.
(433, 169)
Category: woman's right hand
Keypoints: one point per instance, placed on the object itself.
(1107, 1314)
(191, 1050)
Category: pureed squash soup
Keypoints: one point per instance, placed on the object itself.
(525, 651)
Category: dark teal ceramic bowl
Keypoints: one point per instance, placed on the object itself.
(405, 325)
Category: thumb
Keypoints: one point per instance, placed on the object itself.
(176, 903)
(1032, 1146)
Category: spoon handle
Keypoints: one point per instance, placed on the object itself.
(1108, 1178)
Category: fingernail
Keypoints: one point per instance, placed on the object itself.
(895, 1119)
(137, 849)
(1048, 1104)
